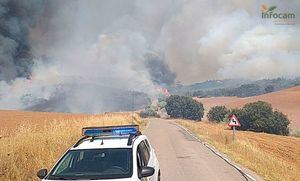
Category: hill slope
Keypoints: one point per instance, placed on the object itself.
(286, 101)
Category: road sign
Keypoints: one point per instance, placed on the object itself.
(233, 121)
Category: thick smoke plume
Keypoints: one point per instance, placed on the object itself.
(16, 19)
(86, 56)
(159, 71)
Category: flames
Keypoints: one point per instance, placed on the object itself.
(264, 8)
(163, 91)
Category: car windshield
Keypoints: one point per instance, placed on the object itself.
(94, 164)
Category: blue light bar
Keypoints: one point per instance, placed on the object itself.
(110, 130)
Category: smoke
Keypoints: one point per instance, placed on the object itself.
(16, 18)
(229, 39)
(256, 57)
(86, 56)
(159, 71)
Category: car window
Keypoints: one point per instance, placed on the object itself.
(140, 160)
(148, 145)
(66, 164)
(107, 163)
(145, 152)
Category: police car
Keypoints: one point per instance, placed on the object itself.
(119, 153)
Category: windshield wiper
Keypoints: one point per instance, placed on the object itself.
(59, 177)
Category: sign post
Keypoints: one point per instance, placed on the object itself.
(233, 122)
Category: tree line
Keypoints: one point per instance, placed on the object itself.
(257, 116)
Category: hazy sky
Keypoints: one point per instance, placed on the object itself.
(199, 40)
(109, 42)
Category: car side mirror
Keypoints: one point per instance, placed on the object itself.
(146, 171)
(42, 173)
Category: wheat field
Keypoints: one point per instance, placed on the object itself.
(32, 141)
(286, 101)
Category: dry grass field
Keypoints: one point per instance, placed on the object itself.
(31, 140)
(286, 101)
(275, 158)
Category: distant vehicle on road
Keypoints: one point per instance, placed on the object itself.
(118, 153)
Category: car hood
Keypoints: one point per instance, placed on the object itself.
(123, 179)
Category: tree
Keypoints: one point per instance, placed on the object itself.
(217, 113)
(148, 112)
(247, 90)
(161, 104)
(173, 106)
(184, 107)
(257, 115)
(269, 89)
(260, 117)
(280, 124)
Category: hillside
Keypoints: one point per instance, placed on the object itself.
(286, 101)
(235, 87)
(87, 98)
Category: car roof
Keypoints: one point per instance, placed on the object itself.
(107, 142)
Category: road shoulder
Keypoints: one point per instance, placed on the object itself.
(252, 176)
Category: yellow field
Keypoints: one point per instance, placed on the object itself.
(30, 144)
(286, 101)
(271, 156)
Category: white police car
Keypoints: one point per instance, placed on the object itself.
(119, 153)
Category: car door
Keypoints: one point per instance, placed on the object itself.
(153, 162)
(144, 159)
(152, 158)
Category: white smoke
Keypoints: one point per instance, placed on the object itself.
(78, 44)
(229, 39)
(262, 52)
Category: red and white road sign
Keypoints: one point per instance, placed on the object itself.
(233, 121)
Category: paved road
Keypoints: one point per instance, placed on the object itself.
(182, 158)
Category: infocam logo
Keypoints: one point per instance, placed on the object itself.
(277, 17)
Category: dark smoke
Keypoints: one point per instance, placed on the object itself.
(71, 98)
(158, 69)
(16, 18)
(85, 46)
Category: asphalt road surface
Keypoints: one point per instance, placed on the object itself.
(182, 158)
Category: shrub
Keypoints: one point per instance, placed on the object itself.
(295, 133)
(260, 117)
(184, 107)
(148, 112)
(161, 104)
(280, 124)
(217, 113)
